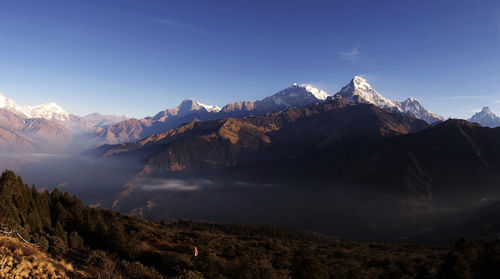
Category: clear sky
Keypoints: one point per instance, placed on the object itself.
(140, 57)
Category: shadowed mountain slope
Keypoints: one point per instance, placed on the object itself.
(241, 145)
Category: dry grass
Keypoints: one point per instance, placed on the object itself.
(19, 260)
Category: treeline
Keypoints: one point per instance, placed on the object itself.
(110, 245)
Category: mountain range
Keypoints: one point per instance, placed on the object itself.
(292, 135)
(297, 95)
(338, 141)
(46, 127)
(96, 129)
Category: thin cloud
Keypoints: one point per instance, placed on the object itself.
(175, 24)
(177, 185)
(352, 55)
(462, 97)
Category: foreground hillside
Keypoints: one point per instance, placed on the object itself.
(105, 244)
(20, 260)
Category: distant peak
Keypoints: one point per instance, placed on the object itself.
(486, 110)
(192, 104)
(189, 101)
(359, 79)
(412, 100)
(318, 93)
(360, 82)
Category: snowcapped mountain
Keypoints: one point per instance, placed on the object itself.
(359, 90)
(414, 108)
(50, 111)
(12, 106)
(46, 127)
(134, 129)
(486, 118)
(294, 96)
(186, 107)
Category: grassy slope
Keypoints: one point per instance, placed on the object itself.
(19, 260)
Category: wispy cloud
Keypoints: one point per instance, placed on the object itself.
(462, 97)
(176, 185)
(352, 55)
(175, 24)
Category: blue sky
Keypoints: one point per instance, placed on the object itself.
(140, 57)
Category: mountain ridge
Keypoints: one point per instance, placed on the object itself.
(296, 95)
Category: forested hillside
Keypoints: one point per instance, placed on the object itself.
(105, 244)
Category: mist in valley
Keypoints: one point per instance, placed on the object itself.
(346, 211)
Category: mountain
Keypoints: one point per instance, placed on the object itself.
(359, 90)
(134, 129)
(50, 111)
(10, 105)
(296, 95)
(46, 127)
(415, 109)
(486, 118)
(186, 108)
(232, 142)
(192, 110)
(19, 134)
(335, 142)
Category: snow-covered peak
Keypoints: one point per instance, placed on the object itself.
(295, 96)
(486, 118)
(486, 110)
(192, 104)
(318, 93)
(360, 82)
(186, 107)
(210, 108)
(12, 106)
(410, 104)
(50, 111)
(360, 90)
